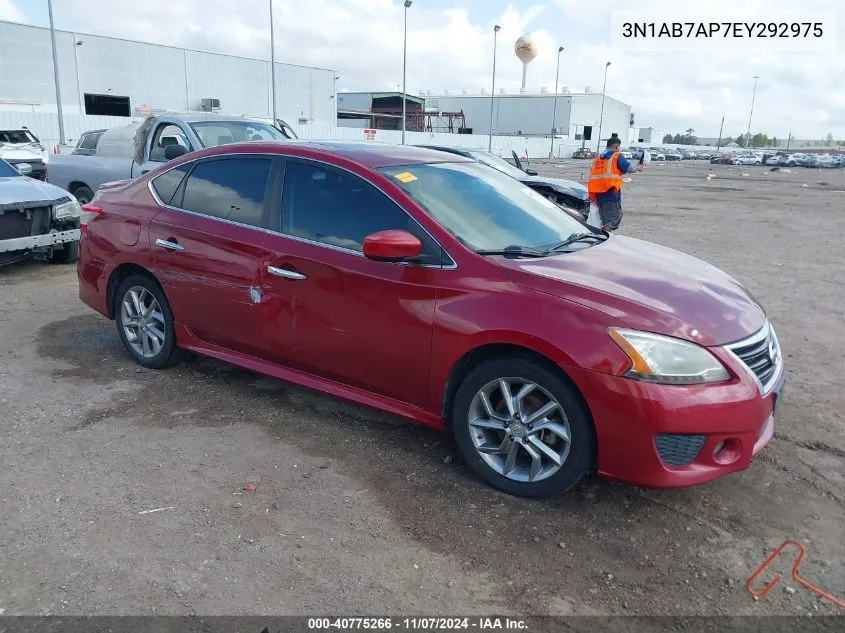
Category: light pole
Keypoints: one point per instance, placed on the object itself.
(272, 61)
(601, 118)
(753, 94)
(554, 108)
(496, 29)
(404, 67)
(721, 127)
(56, 76)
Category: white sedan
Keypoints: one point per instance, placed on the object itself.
(747, 159)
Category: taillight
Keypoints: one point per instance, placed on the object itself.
(89, 212)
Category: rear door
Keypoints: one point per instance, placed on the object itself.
(207, 246)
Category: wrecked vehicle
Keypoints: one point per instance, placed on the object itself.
(23, 151)
(126, 152)
(37, 220)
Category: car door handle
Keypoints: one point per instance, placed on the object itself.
(173, 246)
(145, 171)
(287, 274)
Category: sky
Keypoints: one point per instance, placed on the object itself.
(450, 46)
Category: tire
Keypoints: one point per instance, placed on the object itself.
(68, 255)
(151, 343)
(83, 194)
(487, 449)
(757, 162)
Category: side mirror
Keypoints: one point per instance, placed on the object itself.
(174, 151)
(393, 245)
(531, 172)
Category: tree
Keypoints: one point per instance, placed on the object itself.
(828, 140)
(678, 139)
(740, 140)
(667, 138)
(759, 140)
(774, 141)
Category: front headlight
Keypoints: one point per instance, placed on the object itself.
(667, 360)
(67, 210)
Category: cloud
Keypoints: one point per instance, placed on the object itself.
(9, 12)
(451, 47)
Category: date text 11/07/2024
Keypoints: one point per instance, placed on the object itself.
(417, 624)
(723, 29)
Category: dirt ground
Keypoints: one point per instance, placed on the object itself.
(357, 513)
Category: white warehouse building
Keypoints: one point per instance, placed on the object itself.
(531, 115)
(107, 76)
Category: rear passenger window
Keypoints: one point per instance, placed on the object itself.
(229, 188)
(167, 184)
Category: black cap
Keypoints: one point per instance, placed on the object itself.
(614, 140)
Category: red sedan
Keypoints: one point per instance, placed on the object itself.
(433, 287)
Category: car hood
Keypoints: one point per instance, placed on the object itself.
(558, 184)
(647, 287)
(22, 191)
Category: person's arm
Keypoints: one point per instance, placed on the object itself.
(627, 167)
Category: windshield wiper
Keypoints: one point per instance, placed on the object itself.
(576, 237)
(515, 250)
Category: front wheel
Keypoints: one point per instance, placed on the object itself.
(67, 255)
(145, 322)
(83, 195)
(522, 428)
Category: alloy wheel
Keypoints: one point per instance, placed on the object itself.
(519, 429)
(143, 322)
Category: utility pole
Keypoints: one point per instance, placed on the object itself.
(753, 94)
(496, 29)
(601, 118)
(272, 61)
(554, 108)
(788, 140)
(56, 76)
(404, 68)
(721, 127)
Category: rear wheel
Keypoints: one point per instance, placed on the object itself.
(522, 428)
(145, 322)
(83, 194)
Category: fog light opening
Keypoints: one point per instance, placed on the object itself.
(727, 451)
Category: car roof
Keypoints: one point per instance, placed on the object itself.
(367, 153)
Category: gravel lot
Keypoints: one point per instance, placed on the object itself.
(358, 513)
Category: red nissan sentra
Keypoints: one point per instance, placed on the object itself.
(431, 286)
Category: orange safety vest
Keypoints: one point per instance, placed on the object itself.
(605, 175)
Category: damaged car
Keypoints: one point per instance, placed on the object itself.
(37, 220)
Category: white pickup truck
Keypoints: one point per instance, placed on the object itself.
(126, 152)
(22, 150)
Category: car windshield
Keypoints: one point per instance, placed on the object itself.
(216, 133)
(484, 208)
(17, 136)
(7, 171)
(498, 163)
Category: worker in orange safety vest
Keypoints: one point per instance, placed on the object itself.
(605, 184)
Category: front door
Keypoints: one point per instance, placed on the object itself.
(332, 312)
(207, 248)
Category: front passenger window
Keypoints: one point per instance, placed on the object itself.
(335, 207)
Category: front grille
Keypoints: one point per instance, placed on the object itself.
(16, 223)
(761, 354)
(679, 450)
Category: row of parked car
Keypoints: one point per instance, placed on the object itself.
(780, 159)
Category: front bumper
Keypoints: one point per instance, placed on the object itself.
(39, 241)
(666, 436)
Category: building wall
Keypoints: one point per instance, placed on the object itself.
(159, 76)
(531, 115)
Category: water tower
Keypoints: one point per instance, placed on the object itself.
(526, 50)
